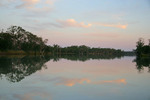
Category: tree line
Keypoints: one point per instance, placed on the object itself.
(18, 39)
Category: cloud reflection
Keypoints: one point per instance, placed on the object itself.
(74, 81)
(119, 81)
(122, 26)
(31, 96)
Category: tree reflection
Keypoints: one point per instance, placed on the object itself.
(142, 62)
(15, 68)
(84, 57)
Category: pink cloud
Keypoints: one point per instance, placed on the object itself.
(73, 23)
(122, 26)
(31, 95)
(50, 2)
(119, 81)
(32, 5)
(28, 3)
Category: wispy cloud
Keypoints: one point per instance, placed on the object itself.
(73, 23)
(119, 81)
(28, 3)
(122, 26)
(50, 2)
(36, 5)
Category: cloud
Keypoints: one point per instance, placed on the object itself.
(116, 25)
(73, 23)
(50, 2)
(28, 3)
(37, 6)
(122, 26)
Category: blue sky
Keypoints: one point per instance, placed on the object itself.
(96, 23)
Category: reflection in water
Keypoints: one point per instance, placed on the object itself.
(15, 69)
(115, 79)
(30, 96)
(119, 81)
(73, 81)
(84, 57)
(142, 62)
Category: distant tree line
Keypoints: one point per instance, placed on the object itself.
(84, 50)
(17, 39)
(142, 49)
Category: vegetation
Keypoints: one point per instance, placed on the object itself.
(141, 49)
(141, 63)
(15, 40)
(17, 68)
(142, 55)
(18, 39)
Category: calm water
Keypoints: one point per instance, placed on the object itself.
(46, 78)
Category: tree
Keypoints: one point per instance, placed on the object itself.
(6, 41)
(139, 45)
(145, 49)
(16, 38)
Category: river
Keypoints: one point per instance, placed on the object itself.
(47, 78)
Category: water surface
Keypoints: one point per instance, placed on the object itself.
(47, 78)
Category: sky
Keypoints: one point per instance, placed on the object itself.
(96, 23)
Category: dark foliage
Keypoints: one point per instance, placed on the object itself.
(15, 69)
(142, 62)
(16, 38)
(141, 49)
